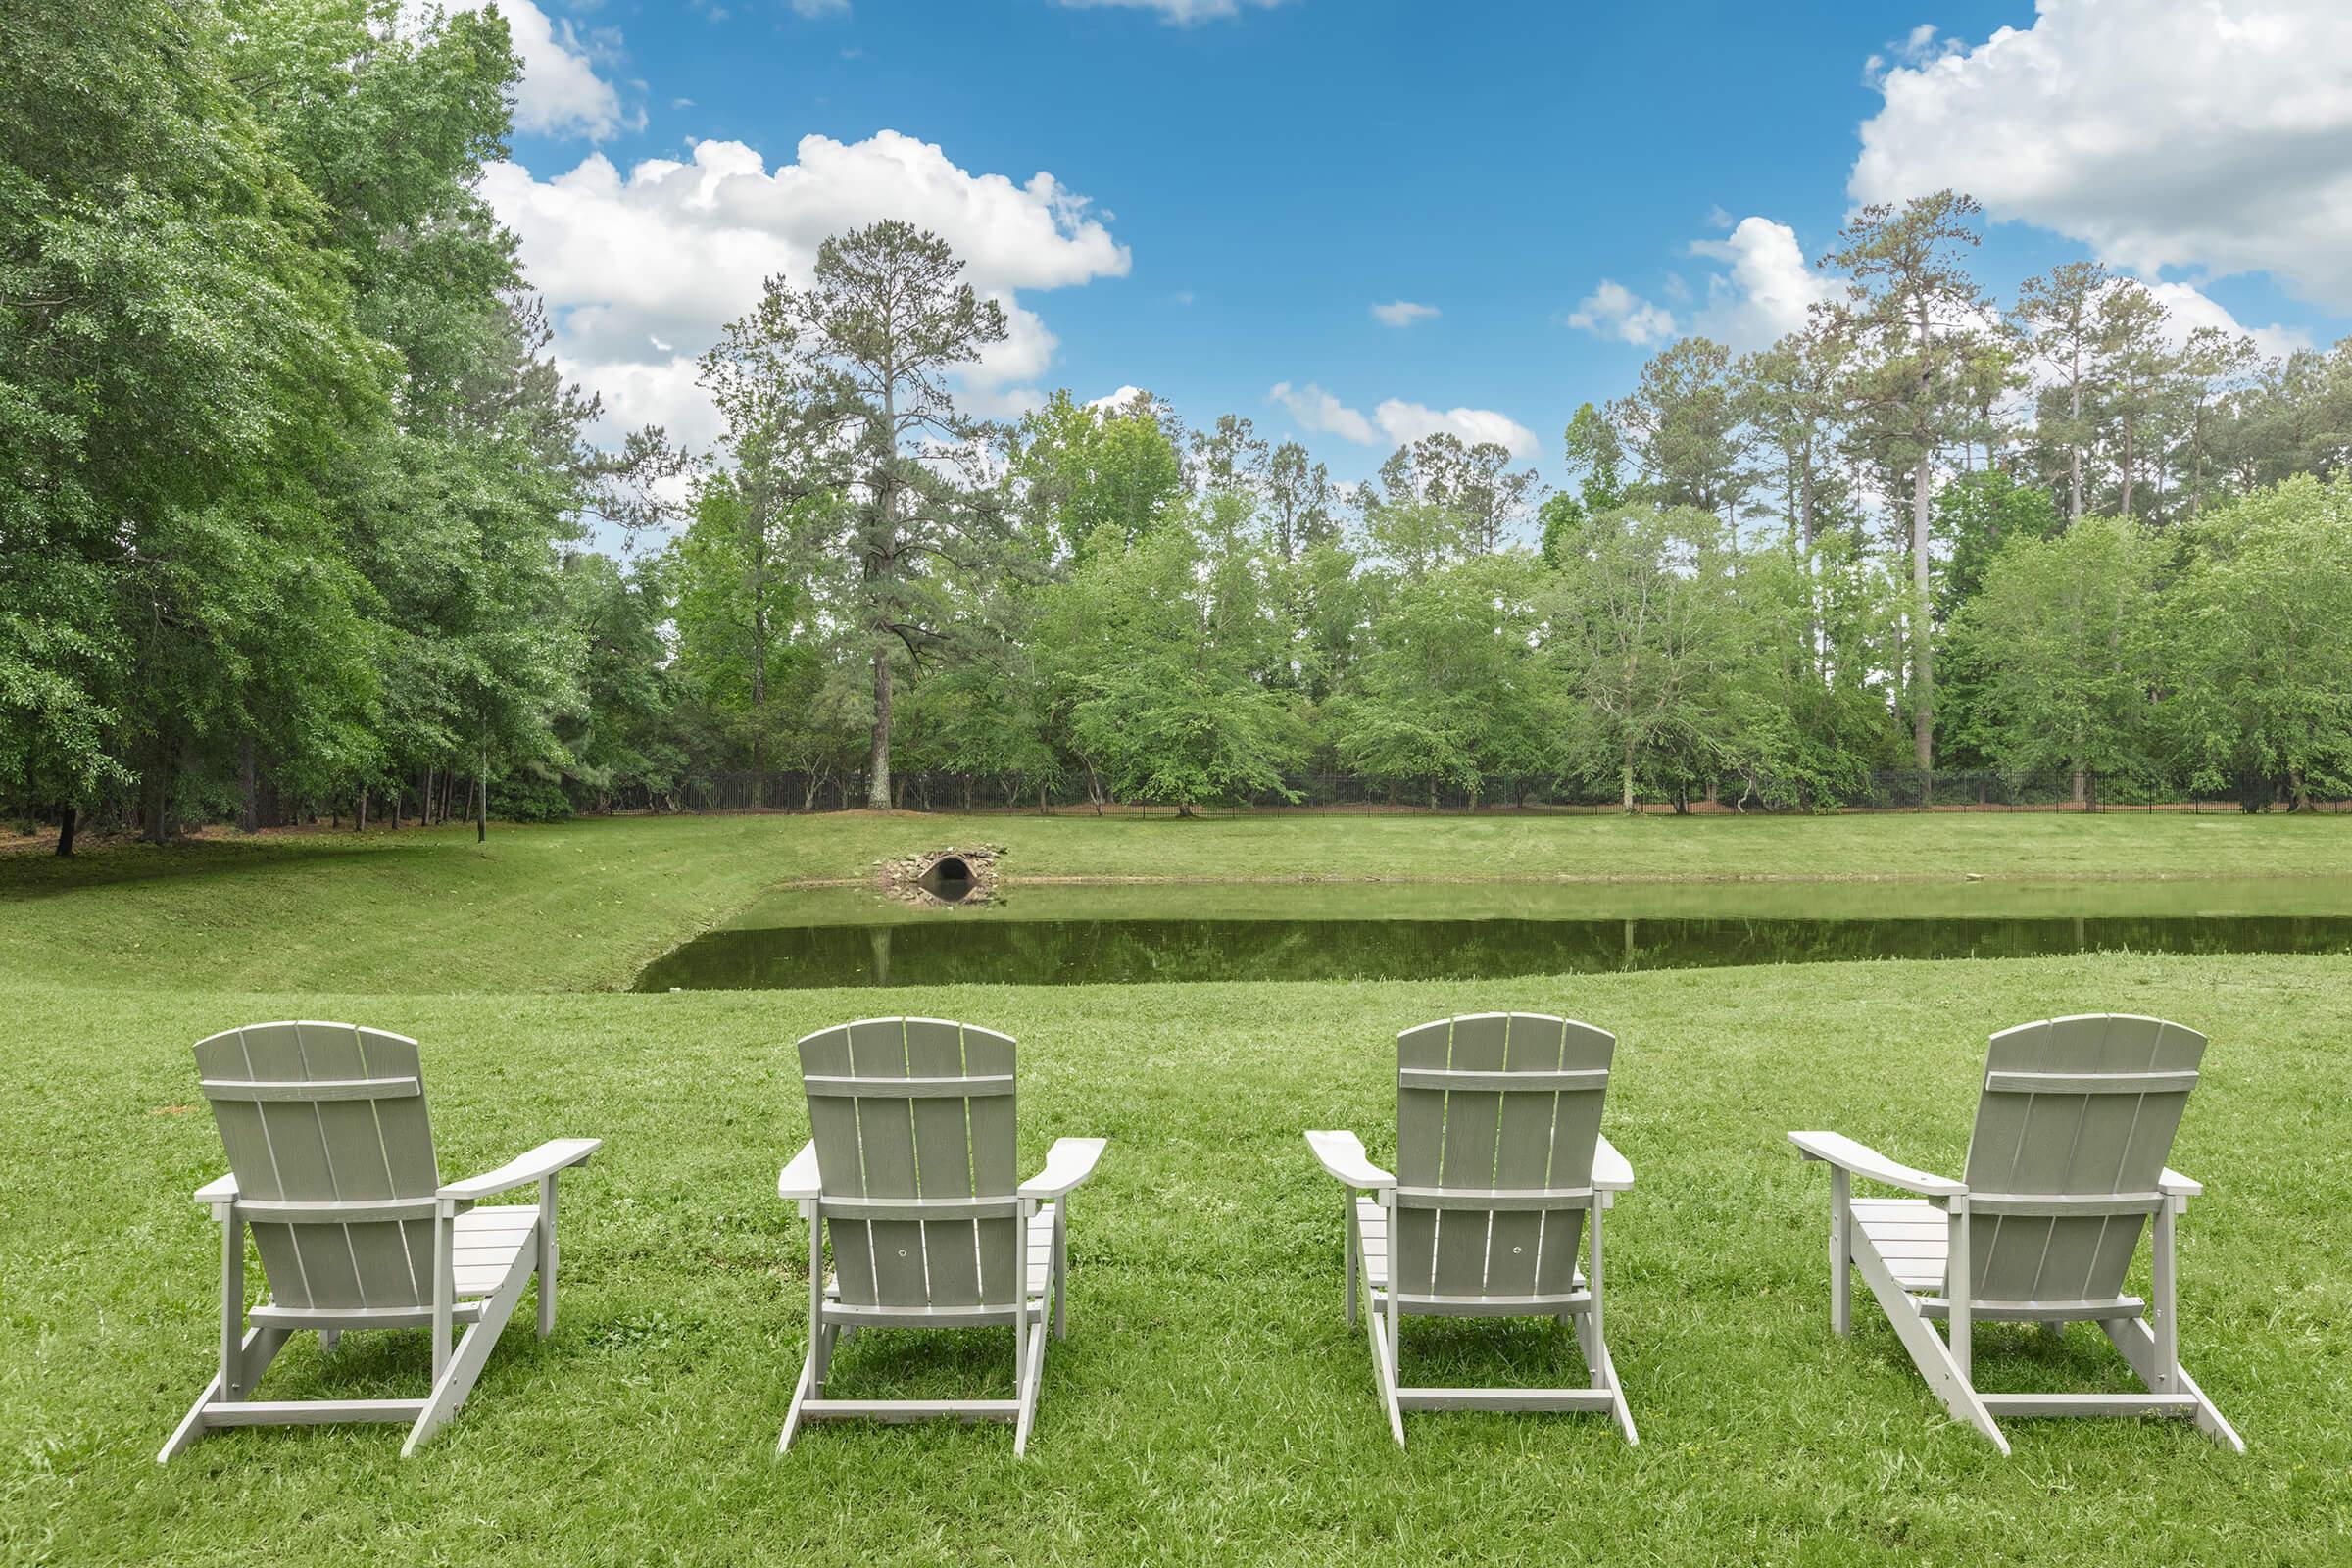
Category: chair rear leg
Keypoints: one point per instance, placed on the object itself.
(1032, 1375)
(2137, 1342)
(458, 1376)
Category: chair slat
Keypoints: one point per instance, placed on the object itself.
(943, 1159)
(886, 1142)
(995, 1164)
(1420, 1142)
(1472, 1122)
(841, 1171)
(308, 1090)
(1523, 1149)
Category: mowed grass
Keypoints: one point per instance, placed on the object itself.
(1210, 1404)
(583, 905)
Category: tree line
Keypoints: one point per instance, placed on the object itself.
(297, 514)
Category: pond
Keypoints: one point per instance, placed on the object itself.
(1078, 934)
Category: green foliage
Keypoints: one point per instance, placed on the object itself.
(1158, 691)
(2062, 641)
(1089, 470)
(1977, 515)
(2256, 654)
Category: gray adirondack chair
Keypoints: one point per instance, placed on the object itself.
(909, 1169)
(1500, 1163)
(2065, 1171)
(331, 1167)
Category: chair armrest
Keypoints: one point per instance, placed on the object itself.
(1069, 1162)
(797, 1182)
(219, 1190)
(2171, 1184)
(557, 1153)
(1863, 1160)
(1612, 1172)
(1342, 1156)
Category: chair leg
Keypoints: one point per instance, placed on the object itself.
(1930, 1353)
(1604, 1376)
(1031, 1376)
(1355, 1245)
(547, 1256)
(801, 1391)
(1061, 1270)
(2138, 1344)
(1841, 1252)
(456, 1379)
(1376, 1326)
(255, 1353)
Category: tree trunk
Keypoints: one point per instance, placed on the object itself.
(1625, 779)
(2074, 446)
(877, 784)
(249, 805)
(1922, 649)
(2082, 788)
(358, 822)
(65, 832)
(156, 825)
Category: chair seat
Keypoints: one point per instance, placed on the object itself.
(487, 1244)
(1040, 1261)
(1911, 1235)
(1372, 1224)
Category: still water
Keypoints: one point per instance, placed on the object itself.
(1078, 935)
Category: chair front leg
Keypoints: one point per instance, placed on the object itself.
(547, 1254)
(2165, 1318)
(1841, 1252)
(1592, 1286)
(820, 1343)
(1061, 1268)
(1956, 1279)
(445, 1281)
(233, 1302)
(1356, 1247)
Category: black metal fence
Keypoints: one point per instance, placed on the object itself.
(1889, 790)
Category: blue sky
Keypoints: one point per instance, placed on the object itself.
(1255, 181)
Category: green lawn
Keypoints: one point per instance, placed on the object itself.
(1210, 1405)
(583, 905)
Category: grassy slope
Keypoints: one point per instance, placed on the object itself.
(1210, 1405)
(583, 905)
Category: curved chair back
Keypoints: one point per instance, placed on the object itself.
(914, 1129)
(326, 1132)
(2075, 1127)
(1497, 1120)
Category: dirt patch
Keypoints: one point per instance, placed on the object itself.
(944, 878)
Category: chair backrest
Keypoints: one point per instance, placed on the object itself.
(913, 1124)
(325, 1129)
(2074, 1129)
(1497, 1120)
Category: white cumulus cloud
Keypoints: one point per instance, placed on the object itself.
(671, 251)
(1319, 411)
(1182, 13)
(2187, 307)
(560, 92)
(1403, 421)
(1399, 421)
(1614, 311)
(1403, 312)
(2214, 135)
(1769, 289)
